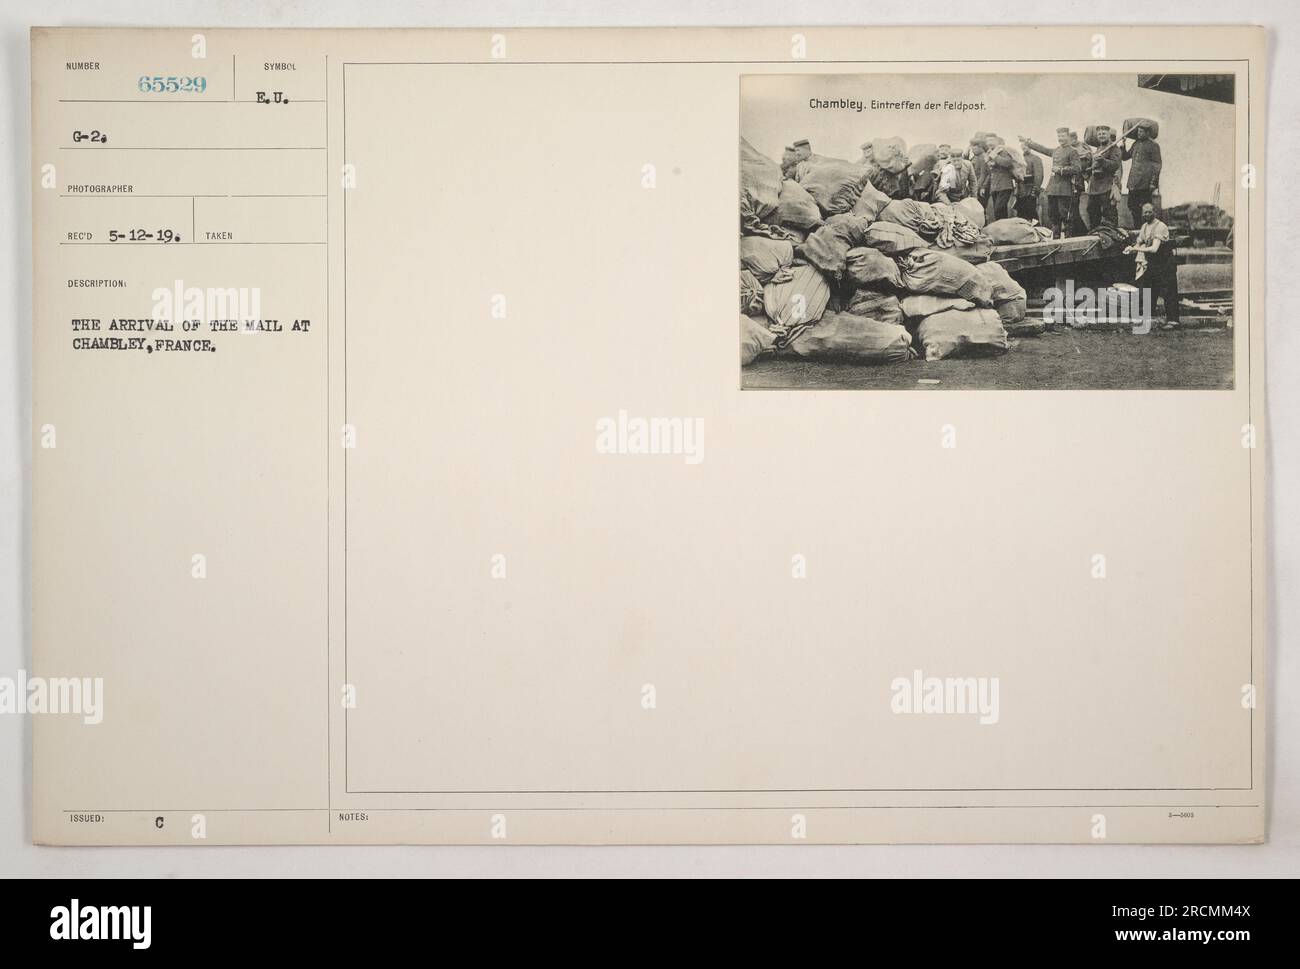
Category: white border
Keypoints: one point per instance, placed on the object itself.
(1281, 856)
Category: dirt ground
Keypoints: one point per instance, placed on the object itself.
(1057, 360)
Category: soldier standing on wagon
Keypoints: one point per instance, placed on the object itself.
(1144, 172)
(1030, 186)
(1062, 200)
(1102, 171)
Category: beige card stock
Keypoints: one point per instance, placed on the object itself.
(397, 478)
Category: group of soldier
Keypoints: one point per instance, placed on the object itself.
(1084, 182)
(1091, 175)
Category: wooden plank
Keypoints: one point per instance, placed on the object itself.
(1054, 252)
(1077, 243)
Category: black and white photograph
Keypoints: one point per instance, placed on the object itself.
(987, 231)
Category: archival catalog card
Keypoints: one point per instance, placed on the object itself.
(399, 477)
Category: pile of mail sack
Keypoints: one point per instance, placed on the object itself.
(831, 268)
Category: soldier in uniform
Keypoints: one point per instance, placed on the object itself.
(1143, 172)
(1102, 172)
(1062, 198)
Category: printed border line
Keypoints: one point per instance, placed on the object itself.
(329, 502)
(795, 63)
(788, 62)
(770, 807)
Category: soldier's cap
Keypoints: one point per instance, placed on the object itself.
(1062, 131)
(803, 143)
